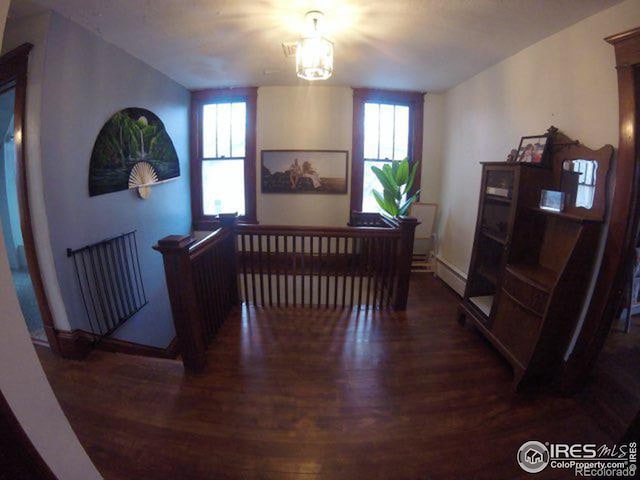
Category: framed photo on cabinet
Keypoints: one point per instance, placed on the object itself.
(533, 149)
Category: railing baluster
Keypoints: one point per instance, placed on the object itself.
(278, 266)
(303, 270)
(245, 294)
(344, 274)
(260, 270)
(392, 273)
(352, 272)
(213, 294)
(313, 269)
(219, 296)
(326, 273)
(295, 280)
(361, 264)
(368, 267)
(317, 272)
(254, 299)
(286, 276)
(202, 276)
(384, 263)
(268, 237)
(335, 267)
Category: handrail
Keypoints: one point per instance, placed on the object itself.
(282, 265)
(201, 279)
(320, 231)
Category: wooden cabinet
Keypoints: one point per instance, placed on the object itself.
(530, 268)
(500, 197)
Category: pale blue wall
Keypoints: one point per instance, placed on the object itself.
(85, 81)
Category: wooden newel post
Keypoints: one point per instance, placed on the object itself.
(230, 220)
(407, 227)
(184, 305)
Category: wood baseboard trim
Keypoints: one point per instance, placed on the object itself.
(131, 348)
(77, 344)
(74, 345)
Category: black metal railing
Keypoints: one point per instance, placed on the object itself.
(110, 282)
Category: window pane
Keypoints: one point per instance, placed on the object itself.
(224, 130)
(371, 116)
(386, 131)
(401, 140)
(209, 130)
(371, 183)
(223, 186)
(238, 127)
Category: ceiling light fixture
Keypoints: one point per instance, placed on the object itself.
(314, 53)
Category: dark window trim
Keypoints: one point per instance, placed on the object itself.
(415, 102)
(249, 95)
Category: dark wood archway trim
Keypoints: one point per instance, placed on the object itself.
(623, 226)
(13, 71)
(18, 457)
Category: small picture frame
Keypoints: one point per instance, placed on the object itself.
(533, 149)
(552, 200)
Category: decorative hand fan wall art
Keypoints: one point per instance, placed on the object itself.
(133, 150)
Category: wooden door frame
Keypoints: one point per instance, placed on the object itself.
(13, 70)
(623, 225)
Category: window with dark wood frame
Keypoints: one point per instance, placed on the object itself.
(215, 148)
(388, 99)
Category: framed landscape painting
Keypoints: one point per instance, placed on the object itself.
(305, 171)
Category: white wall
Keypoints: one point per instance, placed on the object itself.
(24, 384)
(567, 80)
(306, 118)
(321, 117)
(432, 148)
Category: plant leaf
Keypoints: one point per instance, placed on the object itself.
(382, 177)
(412, 177)
(405, 206)
(394, 167)
(403, 173)
(383, 203)
(395, 188)
(390, 200)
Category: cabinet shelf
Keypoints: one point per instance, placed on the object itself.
(489, 274)
(495, 236)
(483, 303)
(561, 215)
(497, 198)
(535, 275)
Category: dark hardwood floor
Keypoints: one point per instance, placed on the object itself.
(313, 394)
(612, 395)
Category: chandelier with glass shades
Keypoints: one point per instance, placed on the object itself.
(314, 53)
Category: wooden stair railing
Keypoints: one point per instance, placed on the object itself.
(202, 281)
(282, 267)
(326, 267)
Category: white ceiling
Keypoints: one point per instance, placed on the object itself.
(428, 45)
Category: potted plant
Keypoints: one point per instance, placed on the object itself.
(396, 180)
